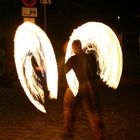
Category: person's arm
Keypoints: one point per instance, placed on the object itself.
(37, 68)
(68, 65)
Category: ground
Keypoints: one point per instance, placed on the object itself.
(20, 120)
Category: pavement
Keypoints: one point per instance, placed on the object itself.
(20, 120)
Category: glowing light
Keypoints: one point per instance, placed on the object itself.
(32, 43)
(98, 37)
(118, 17)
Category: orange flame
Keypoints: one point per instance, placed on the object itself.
(98, 37)
(32, 42)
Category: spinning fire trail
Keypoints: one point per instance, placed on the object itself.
(101, 39)
(31, 43)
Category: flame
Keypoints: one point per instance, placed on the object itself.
(101, 39)
(30, 43)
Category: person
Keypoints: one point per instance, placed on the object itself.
(80, 63)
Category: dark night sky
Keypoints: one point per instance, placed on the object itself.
(64, 15)
(130, 7)
(81, 8)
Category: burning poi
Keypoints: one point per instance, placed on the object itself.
(99, 38)
(31, 43)
(32, 46)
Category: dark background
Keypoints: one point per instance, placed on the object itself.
(20, 120)
(65, 15)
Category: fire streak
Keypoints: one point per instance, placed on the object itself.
(31, 43)
(98, 37)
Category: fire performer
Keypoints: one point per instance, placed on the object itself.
(80, 63)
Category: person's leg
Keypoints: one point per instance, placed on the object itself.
(96, 125)
(68, 105)
(95, 122)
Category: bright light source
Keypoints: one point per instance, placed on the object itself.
(108, 53)
(118, 17)
(31, 42)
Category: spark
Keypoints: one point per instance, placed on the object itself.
(100, 38)
(33, 47)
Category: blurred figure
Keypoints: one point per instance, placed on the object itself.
(80, 63)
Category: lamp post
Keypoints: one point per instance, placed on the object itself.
(29, 12)
(45, 18)
(45, 2)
